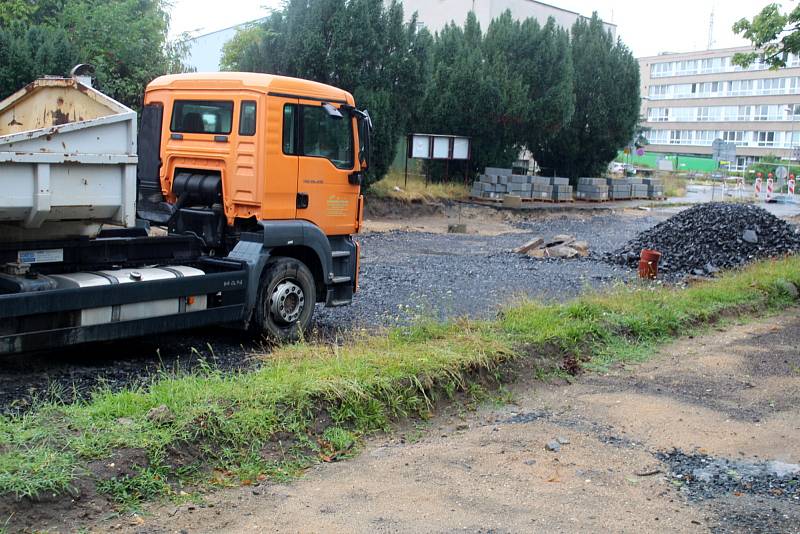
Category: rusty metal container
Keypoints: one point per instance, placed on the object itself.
(67, 161)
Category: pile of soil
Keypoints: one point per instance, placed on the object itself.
(709, 237)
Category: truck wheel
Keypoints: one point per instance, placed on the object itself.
(286, 300)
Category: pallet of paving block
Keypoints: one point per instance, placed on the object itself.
(487, 199)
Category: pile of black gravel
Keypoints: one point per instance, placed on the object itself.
(704, 477)
(709, 237)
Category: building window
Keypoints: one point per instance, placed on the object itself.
(704, 137)
(736, 138)
(680, 137)
(765, 138)
(658, 115)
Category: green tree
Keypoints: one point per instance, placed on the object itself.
(539, 60)
(472, 92)
(29, 52)
(126, 40)
(508, 89)
(606, 104)
(362, 46)
(236, 49)
(774, 35)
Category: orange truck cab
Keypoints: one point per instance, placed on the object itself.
(265, 170)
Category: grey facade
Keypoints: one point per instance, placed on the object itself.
(691, 99)
(435, 14)
(205, 51)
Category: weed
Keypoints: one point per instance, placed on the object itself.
(130, 491)
(394, 186)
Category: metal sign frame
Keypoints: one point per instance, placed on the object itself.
(437, 147)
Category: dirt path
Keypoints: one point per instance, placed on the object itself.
(729, 396)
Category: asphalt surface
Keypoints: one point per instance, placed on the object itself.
(404, 276)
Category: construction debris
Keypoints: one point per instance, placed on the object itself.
(709, 237)
(560, 246)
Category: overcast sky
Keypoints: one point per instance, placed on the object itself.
(648, 27)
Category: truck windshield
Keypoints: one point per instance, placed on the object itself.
(202, 116)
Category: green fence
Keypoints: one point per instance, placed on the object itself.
(679, 163)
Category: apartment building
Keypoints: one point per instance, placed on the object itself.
(691, 99)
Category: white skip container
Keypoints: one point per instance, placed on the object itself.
(137, 310)
(67, 161)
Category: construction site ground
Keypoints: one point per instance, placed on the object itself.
(728, 394)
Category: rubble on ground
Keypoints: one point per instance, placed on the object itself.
(701, 476)
(560, 246)
(709, 237)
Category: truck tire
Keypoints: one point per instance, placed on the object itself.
(286, 300)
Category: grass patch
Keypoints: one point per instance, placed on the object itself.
(415, 190)
(674, 185)
(312, 402)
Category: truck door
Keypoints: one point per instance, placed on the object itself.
(327, 159)
(282, 138)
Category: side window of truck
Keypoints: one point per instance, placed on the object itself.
(202, 116)
(247, 118)
(289, 133)
(327, 137)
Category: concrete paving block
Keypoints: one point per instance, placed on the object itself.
(498, 171)
(591, 181)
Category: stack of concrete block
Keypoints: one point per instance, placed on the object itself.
(520, 185)
(592, 189)
(562, 191)
(655, 187)
(638, 189)
(497, 183)
(618, 189)
(542, 189)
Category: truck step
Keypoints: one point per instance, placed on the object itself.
(341, 279)
(340, 254)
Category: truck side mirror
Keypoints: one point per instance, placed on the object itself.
(364, 133)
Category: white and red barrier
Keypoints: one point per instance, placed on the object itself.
(791, 184)
(770, 188)
(758, 187)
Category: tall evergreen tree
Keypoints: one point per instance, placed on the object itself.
(509, 89)
(606, 104)
(363, 46)
(29, 52)
(539, 59)
(472, 93)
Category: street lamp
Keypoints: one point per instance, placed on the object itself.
(792, 144)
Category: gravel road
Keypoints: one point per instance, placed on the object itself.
(404, 275)
(407, 274)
